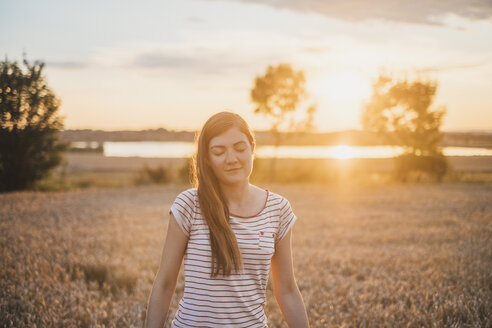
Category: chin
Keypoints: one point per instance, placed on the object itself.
(234, 180)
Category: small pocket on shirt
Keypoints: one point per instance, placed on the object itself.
(267, 241)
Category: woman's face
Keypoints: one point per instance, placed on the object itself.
(231, 157)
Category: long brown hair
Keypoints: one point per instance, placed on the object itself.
(226, 256)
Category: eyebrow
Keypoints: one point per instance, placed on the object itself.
(221, 146)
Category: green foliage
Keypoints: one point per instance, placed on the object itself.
(29, 125)
(400, 112)
(277, 95)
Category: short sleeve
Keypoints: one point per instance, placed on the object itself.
(183, 210)
(287, 219)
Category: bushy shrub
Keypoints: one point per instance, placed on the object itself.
(157, 175)
(108, 278)
(185, 172)
(95, 272)
(411, 167)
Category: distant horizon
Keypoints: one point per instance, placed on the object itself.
(262, 130)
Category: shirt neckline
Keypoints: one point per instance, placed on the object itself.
(255, 215)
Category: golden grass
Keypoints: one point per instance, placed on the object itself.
(380, 256)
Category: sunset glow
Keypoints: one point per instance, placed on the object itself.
(179, 62)
(343, 152)
(346, 86)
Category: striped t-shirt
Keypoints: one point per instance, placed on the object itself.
(236, 300)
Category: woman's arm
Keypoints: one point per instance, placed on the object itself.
(285, 288)
(165, 280)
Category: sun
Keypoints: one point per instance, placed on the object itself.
(342, 152)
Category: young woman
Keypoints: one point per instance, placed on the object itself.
(229, 233)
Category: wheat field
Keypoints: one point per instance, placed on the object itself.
(374, 256)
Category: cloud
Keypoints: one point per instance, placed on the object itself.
(66, 64)
(221, 52)
(193, 59)
(416, 11)
(162, 60)
(453, 67)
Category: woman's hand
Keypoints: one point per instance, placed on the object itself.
(165, 280)
(285, 288)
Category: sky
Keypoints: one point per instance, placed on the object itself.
(150, 64)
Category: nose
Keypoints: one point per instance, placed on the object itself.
(230, 156)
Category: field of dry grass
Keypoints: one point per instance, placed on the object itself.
(83, 170)
(89, 162)
(380, 256)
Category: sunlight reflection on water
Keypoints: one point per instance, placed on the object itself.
(173, 149)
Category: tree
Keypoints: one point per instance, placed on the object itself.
(29, 125)
(400, 112)
(277, 95)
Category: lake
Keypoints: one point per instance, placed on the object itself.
(173, 149)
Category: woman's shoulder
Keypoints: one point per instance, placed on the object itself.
(275, 198)
(190, 192)
(279, 202)
(189, 196)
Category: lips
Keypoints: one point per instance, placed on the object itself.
(233, 169)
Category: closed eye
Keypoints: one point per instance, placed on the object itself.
(218, 150)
